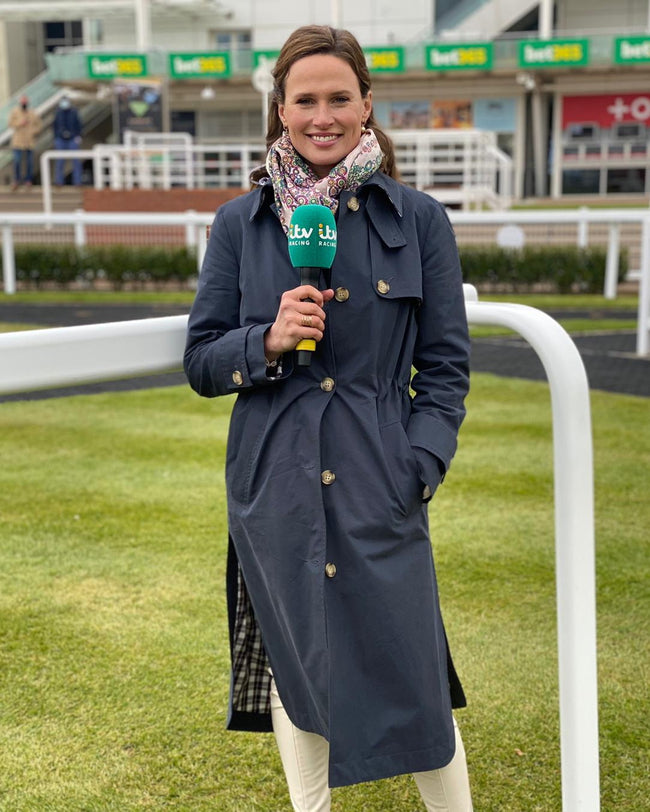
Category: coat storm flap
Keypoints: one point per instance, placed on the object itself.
(326, 467)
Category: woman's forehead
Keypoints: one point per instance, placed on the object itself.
(320, 70)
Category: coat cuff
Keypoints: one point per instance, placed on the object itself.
(425, 432)
(434, 446)
(258, 369)
(431, 470)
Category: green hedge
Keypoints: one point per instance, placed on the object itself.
(116, 264)
(563, 269)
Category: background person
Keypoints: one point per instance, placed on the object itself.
(337, 639)
(67, 135)
(26, 125)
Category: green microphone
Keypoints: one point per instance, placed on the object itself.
(312, 246)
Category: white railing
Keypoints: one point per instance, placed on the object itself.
(74, 355)
(162, 165)
(458, 166)
(583, 218)
(194, 223)
(195, 237)
(463, 166)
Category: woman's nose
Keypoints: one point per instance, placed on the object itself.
(322, 115)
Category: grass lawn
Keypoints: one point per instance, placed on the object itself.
(99, 297)
(113, 639)
(555, 301)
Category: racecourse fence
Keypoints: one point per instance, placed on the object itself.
(610, 227)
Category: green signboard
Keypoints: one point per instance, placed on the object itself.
(385, 60)
(631, 50)
(553, 53)
(270, 57)
(116, 66)
(212, 65)
(465, 56)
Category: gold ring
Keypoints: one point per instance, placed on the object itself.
(306, 321)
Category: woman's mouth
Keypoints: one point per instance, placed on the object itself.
(324, 139)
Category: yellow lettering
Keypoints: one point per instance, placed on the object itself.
(385, 59)
(213, 64)
(472, 56)
(567, 53)
(133, 66)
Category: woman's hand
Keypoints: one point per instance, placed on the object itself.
(297, 319)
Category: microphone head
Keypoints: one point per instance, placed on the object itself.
(312, 237)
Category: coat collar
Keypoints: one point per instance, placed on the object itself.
(391, 188)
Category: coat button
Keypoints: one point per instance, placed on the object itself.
(327, 384)
(327, 477)
(237, 377)
(330, 570)
(383, 286)
(353, 204)
(342, 294)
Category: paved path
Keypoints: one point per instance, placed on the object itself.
(608, 357)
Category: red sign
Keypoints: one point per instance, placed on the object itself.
(605, 110)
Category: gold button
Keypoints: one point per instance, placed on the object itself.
(327, 384)
(353, 204)
(342, 294)
(237, 377)
(330, 570)
(383, 286)
(327, 477)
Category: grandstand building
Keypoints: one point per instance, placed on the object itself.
(563, 86)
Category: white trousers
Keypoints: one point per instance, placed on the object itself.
(305, 759)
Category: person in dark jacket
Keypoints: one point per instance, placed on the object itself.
(337, 640)
(67, 135)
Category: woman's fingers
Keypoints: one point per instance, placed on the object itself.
(298, 318)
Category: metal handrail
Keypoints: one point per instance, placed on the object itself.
(73, 355)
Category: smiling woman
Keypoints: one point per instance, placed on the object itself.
(324, 112)
(337, 639)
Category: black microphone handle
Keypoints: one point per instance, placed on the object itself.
(308, 276)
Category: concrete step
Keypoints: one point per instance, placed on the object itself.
(30, 199)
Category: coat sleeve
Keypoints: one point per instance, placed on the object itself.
(222, 356)
(441, 357)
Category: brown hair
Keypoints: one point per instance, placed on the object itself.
(322, 39)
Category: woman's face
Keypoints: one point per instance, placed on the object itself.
(323, 110)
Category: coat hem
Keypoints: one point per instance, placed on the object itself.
(389, 766)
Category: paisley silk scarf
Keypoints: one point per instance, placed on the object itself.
(296, 184)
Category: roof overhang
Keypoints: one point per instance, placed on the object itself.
(78, 9)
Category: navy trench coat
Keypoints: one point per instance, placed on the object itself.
(327, 464)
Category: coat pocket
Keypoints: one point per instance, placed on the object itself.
(401, 467)
(396, 273)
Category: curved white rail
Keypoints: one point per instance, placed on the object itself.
(73, 355)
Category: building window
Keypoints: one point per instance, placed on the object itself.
(232, 40)
(581, 181)
(183, 121)
(629, 181)
(231, 125)
(237, 44)
(62, 34)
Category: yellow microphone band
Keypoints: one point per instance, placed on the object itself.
(306, 344)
